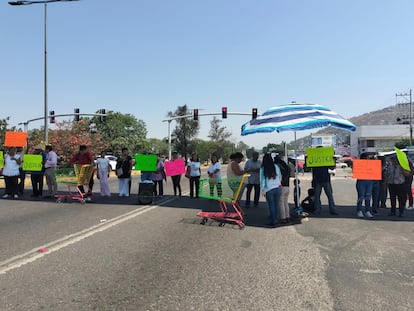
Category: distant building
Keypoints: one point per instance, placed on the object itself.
(323, 140)
(374, 138)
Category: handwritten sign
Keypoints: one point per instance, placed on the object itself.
(317, 157)
(32, 162)
(367, 169)
(15, 139)
(1, 159)
(146, 162)
(175, 167)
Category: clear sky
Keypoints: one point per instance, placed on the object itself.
(148, 57)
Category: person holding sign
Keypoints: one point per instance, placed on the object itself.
(158, 177)
(176, 178)
(364, 191)
(11, 173)
(321, 179)
(395, 176)
(37, 176)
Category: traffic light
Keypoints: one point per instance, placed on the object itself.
(103, 118)
(195, 114)
(224, 112)
(254, 113)
(76, 114)
(52, 117)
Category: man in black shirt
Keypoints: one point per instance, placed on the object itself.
(322, 179)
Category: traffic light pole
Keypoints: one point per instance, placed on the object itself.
(191, 116)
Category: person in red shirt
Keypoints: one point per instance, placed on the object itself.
(84, 157)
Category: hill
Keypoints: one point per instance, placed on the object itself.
(385, 116)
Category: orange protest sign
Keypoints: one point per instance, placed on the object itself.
(15, 139)
(366, 169)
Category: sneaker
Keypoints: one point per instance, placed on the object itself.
(5, 196)
(368, 214)
(360, 214)
(409, 208)
(88, 199)
(15, 196)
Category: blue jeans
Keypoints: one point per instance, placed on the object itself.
(272, 199)
(376, 188)
(364, 190)
(327, 187)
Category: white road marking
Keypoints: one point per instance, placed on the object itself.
(34, 254)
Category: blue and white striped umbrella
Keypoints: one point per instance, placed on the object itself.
(295, 117)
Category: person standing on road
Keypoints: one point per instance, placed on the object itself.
(11, 173)
(234, 174)
(50, 167)
(364, 191)
(408, 184)
(321, 179)
(123, 171)
(103, 168)
(252, 167)
(176, 179)
(84, 157)
(22, 175)
(284, 196)
(271, 187)
(37, 177)
(214, 174)
(395, 175)
(194, 173)
(158, 177)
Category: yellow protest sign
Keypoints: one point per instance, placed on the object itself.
(32, 162)
(367, 169)
(1, 159)
(322, 156)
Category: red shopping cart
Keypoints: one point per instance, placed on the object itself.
(229, 192)
(76, 177)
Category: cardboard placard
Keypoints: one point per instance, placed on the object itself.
(367, 169)
(1, 159)
(146, 162)
(32, 162)
(15, 139)
(317, 157)
(175, 167)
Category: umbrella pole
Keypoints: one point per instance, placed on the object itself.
(298, 208)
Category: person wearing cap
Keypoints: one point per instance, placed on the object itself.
(37, 177)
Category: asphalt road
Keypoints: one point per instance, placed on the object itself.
(117, 255)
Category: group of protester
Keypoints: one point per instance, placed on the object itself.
(270, 177)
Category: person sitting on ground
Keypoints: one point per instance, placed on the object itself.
(308, 203)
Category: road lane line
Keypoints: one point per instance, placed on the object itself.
(32, 255)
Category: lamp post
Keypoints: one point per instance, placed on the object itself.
(44, 2)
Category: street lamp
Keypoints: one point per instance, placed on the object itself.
(45, 2)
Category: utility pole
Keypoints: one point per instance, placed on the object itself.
(407, 101)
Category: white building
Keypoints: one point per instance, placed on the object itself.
(375, 138)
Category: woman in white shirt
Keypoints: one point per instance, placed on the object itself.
(103, 167)
(11, 173)
(271, 186)
(214, 174)
(194, 173)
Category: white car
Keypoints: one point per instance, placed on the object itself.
(112, 161)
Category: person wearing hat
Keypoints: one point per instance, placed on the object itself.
(37, 177)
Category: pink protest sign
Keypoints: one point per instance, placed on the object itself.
(174, 167)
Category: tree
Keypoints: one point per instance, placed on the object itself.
(218, 133)
(185, 130)
(157, 146)
(122, 130)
